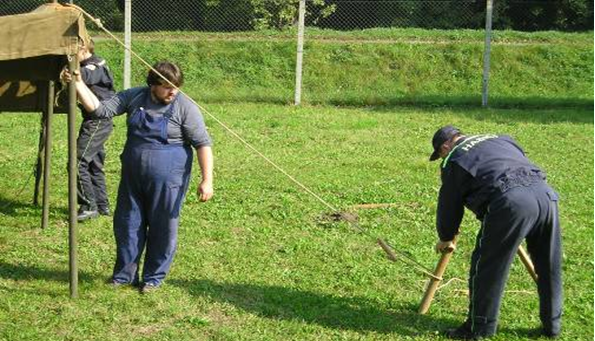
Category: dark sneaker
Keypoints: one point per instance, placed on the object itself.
(115, 285)
(104, 211)
(148, 288)
(463, 333)
(86, 215)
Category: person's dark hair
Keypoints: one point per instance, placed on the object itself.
(169, 70)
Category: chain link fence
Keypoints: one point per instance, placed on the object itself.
(404, 14)
(344, 15)
(341, 21)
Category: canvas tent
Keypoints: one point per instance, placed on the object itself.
(35, 48)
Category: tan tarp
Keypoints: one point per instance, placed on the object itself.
(52, 29)
(34, 49)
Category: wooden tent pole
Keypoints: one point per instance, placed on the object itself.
(49, 113)
(72, 172)
(40, 152)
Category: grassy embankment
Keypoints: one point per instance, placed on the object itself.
(379, 67)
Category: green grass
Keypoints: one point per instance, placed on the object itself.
(412, 35)
(351, 72)
(261, 262)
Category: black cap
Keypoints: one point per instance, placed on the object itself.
(442, 135)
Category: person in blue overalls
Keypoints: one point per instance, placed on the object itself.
(163, 126)
(93, 133)
(490, 175)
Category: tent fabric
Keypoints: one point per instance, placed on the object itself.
(51, 29)
(32, 69)
(34, 48)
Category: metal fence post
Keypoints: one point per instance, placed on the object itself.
(486, 54)
(300, 52)
(127, 41)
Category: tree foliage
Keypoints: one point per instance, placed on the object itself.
(524, 15)
(247, 15)
(221, 15)
(236, 15)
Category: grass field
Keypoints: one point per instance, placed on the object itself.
(262, 260)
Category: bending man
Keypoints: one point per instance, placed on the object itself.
(491, 176)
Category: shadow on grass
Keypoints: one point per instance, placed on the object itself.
(350, 313)
(474, 102)
(18, 272)
(524, 333)
(522, 109)
(505, 111)
(13, 208)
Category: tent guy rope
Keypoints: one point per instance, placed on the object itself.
(391, 251)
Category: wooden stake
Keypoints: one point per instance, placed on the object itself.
(369, 206)
(389, 252)
(434, 281)
(441, 267)
(524, 256)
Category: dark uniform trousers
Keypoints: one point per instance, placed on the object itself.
(523, 212)
(91, 187)
(92, 136)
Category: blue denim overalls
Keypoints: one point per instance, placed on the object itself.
(154, 181)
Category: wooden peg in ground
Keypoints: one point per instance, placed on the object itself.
(369, 206)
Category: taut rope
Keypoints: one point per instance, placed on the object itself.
(354, 224)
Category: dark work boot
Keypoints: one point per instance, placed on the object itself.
(542, 332)
(464, 332)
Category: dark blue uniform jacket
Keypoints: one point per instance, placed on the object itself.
(97, 76)
(479, 169)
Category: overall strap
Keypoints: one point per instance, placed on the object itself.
(170, 111)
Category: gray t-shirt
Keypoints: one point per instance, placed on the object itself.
(186, 125)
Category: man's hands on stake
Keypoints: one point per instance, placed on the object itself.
(445, 246)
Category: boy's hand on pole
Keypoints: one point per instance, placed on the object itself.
(65, 75)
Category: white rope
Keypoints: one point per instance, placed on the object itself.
(353, 224)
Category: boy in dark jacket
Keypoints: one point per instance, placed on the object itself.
(91, 188)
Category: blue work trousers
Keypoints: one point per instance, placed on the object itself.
(153, 185)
